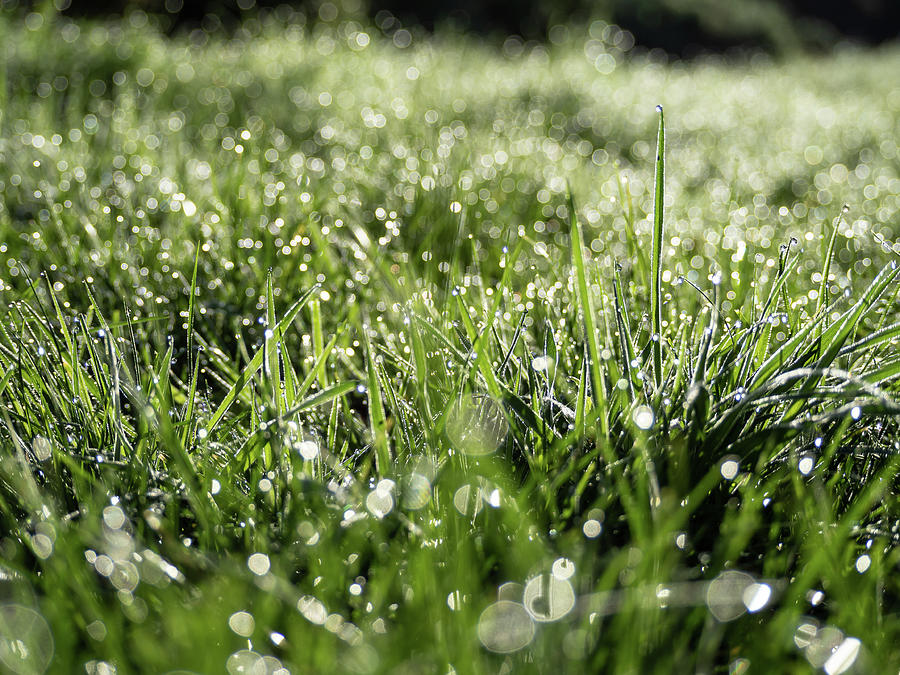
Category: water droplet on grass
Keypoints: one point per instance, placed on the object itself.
(739, 666)
(416, 491)
(97, 630)
(563, 568)
(312, 609)
(41, 448)
(245, 662)
(505, 627)
(454, 601)
(476, 425)
(806, 464)
(541, 363)
(548, 598)
(756, 597)
(125, 576)
(26, 643)
(379, 502)
(511, 591)
(42, 546)
(468, 500)
(822, 645)
(843, 658)
(643, 417)
(242, 623)
(725, 594)
(815, 597)
(259, 564)
(729, 468)
(592, 528)
(113, 517)
(805, 634)
(308, 450)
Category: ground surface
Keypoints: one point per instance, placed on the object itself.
(307, 354)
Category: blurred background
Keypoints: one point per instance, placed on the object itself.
(679, 27)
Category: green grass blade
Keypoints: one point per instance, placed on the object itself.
(822, 300)
(272, 368)
(586, 304)
(315, 315)
(256, 362)
(191, 305)
(656, 251)
(377, 418)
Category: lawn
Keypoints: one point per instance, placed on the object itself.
(334, 347)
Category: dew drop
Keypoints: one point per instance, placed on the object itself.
(41, 448)
(505, 627)
(242, 623)
(26, 643)
(725, 594)
(259, 564)
(806, 465)
(548, 598)
(729, 469)
(592, 528)
(843, 658)
(643, 417)
(756, 597)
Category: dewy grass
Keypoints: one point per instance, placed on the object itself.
(332, 349)
(656, 248)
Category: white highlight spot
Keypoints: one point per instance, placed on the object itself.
(806, 465)
(242, 623)
(548, 598)
(563, 568)
(843, 657)
(308, 450)
(729, 469)
(259, 564)
(541, 363)
(592, 528)
(643, 417)
(756, 597)
(505, 627)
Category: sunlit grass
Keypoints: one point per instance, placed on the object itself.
(363, 352)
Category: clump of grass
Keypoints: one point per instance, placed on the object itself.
(308, 394)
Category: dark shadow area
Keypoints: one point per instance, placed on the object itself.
(680, 27)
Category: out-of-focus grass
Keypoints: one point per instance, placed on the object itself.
(297, 362)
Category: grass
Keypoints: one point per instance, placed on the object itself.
(339, 351)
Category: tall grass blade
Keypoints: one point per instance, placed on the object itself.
(586, 304)
(822, 300)
(377, 418)
(656, 252)
(256, 362)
